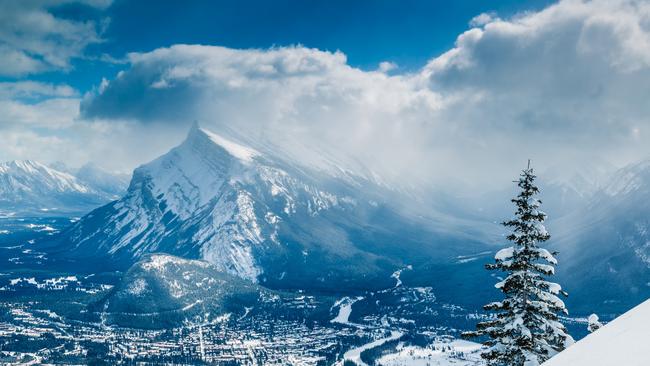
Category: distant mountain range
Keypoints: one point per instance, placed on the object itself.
(605, 245)
(255, 215)
(32, 188)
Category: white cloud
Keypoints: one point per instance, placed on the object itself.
(482, 19)
(115, 146)
(51, 113)
(29, 104)
(34, 118)
(304, 100)
(34, 89)
(386, 66)
(33, 40)
(566, 83)
(561, 86)
(22, 143)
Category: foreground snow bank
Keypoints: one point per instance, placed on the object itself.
(624, 341)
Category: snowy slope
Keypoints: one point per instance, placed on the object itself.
(254, 215)
(29, 186)
(624, 341)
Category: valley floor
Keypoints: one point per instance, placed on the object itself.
(45, 318)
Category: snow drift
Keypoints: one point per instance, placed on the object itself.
(624, 341)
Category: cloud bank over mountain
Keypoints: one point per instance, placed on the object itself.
(562, 86)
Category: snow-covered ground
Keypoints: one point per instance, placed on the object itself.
(397, 275)
(345, 309)
(623, 341)
(456, 352)
(354, 354)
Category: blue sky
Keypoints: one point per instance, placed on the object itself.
(431, 91)
(406, 32)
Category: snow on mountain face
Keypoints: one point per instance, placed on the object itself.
(257, 216)
(30, 177)
(29, 186)
(208, 198)
(631, 179)
(111, 184)
(631, 190)
(584, 180)
(565, 192)
(605, 246)
(162, 289)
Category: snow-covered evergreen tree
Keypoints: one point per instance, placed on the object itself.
(593, 323)
(524, 329)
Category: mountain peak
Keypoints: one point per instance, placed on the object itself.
(29, 186)
(24, 164)
(32, 167)
(236, 150)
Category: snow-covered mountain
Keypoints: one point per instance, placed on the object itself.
(162, 289)
(256, 216)
(30, 187)
(111, 184)
(564, 193)
(623, 341)
(605, 246)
